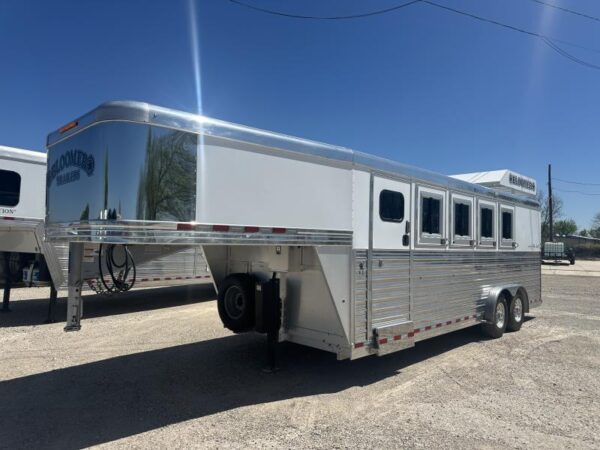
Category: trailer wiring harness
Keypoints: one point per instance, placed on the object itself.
(118, 271)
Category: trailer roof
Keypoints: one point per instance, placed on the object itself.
(19, 154)
(140, 112)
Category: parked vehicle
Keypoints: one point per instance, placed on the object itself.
(329, 247)
(27, 259)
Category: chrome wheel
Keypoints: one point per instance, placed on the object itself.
(518, 309)
(235, 302)
(500, 315)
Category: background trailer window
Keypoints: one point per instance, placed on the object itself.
(487, 223)
(10, 188)
(430, 215)
(391, 206)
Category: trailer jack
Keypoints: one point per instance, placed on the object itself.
(51, 304)
(7, 283)
(74, 300)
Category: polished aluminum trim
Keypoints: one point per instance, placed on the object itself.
(144, 232)
(140, 112)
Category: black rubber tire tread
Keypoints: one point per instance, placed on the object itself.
(512, 324)
(246, 283)
(490, 329)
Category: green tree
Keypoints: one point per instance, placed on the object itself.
(583, 232)
(565, 227)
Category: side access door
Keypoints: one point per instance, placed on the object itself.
(389, 264)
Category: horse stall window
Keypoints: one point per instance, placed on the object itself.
(462, 219)
(507, 225)
(487, 222)
(10, 188)
(431, 219)
(391, 206)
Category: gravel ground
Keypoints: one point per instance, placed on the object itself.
(149, 371)
(580, 268)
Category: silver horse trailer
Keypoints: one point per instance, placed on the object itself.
(316, 244)
(27, 259)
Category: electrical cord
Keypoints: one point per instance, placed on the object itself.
(119, 281)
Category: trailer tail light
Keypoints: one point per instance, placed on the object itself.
(279, 230)
(251, 229)
(8, 218)
(220, 227)
(184, 227)
(68, 127)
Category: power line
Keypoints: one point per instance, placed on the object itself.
(579, 192)
(545, 39)
(567, 10)
(298, 16)
(550, 42)
(576, 182)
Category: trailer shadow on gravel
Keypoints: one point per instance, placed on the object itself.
(103, 401)
(28, 312)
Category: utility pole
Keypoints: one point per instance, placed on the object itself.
(550, 212)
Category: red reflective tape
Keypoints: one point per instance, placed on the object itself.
(178, 278)
(359, 345)
(417, 330)
(383, 341)
(8, 218)
(474, 316)
(427, 328)
(155, 279)
(251, 229)
(449, 322)
(184, 227)
(168, 278)
(206, 276)
(466, 317)
(437, 325)
(411, 334)
(457, 320)
(397, 338)
(279, 230)
(220, 227)
(145, 279)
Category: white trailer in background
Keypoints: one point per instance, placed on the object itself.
(315, 244)
(22, 207)
(28, 259)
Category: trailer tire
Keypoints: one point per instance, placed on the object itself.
(516, 313)
(235, 302)
(496, 328)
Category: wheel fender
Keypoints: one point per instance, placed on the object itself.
(490, 304)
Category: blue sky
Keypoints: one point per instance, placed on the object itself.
(420, 85)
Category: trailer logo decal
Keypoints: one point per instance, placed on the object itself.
(521, 182)
(74, 159)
